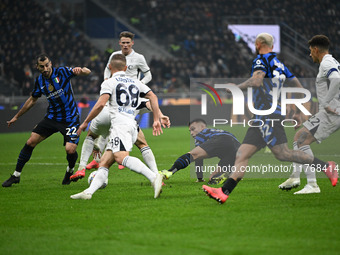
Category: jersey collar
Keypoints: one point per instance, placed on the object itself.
(119, 73)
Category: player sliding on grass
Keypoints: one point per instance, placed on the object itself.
(62, 114)
(326, 121)
(123, 95)
(209, 143)
(266, 65)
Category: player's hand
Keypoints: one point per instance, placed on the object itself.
(81, 128)
(77, 70)
(157, 128)
(96, 154)
(10, 122)
(298, 118)
(329, 110)
(165, 121)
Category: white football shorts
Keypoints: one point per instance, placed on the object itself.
(122, 138)
(101, 124)
(322, 125)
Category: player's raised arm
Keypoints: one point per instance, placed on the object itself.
(165, 120)
(97, 108)
(30, 102)
(157, 128)
(81, 71)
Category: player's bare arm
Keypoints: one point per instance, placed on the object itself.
(81, 71)
(30, 102)
(255, 80)
(157, 128)
(165, 120)
(97, 108)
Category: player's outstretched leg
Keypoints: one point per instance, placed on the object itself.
(138, 166)
(11, 180)
(78, 175)
(24, 156)
(180, 163)
(221, 194)
(93, 164)
(309, 188)
(332, 173)
(97, 183)
(67, 180)
(215, 193)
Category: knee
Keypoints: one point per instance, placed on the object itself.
(119, 159)
(71, 149)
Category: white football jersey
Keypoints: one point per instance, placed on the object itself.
(135, 63)
(125, 97)
(327, 66)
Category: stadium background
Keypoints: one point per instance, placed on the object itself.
(180, 40)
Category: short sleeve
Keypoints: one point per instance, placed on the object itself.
(36, 92)
(328, 67)
(106, 88)
(66, 71)
(258, 64)
(288, 74)
(143, 89)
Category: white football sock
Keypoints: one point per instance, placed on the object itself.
(98, 180)
(297, 168)
(309, 171)
(149, 158)
(86, 152)
(17, 174)
(136, 165)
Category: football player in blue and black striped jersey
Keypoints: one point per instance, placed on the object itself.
(62, 114)
(209, 143)
(268, 73)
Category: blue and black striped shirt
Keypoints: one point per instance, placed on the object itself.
(276, 74)
(58, 91)
(209, 133)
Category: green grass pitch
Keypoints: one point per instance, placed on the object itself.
(38, 217)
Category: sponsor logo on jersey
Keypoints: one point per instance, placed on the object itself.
(56, 94)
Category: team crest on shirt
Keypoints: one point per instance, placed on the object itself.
(130, 67)
(50, 87)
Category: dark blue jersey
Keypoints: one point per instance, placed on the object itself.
(209, 133)
(58, 91)
(276, 74)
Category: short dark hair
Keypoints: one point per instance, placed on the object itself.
(126, 34)
(42, 57)
(198, 121)
(320, 41)
(118, 61)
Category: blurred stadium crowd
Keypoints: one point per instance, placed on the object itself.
(191, 30)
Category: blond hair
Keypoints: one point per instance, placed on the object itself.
(265, 38)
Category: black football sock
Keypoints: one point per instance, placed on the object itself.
(180, 163)
(72, 158)
(229, 185)
(199, 168)
(24, 156)
(319, 164)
